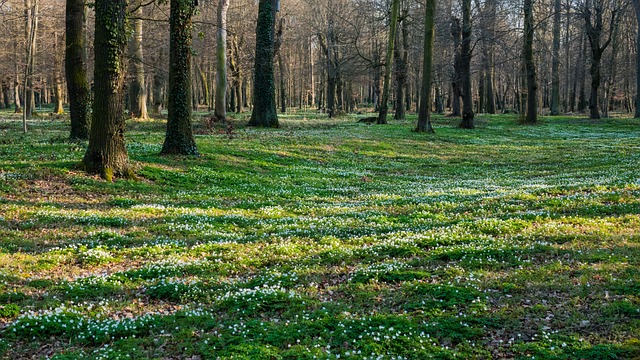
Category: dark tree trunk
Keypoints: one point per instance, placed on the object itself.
(555, 61)
(264, 88)
(424, 115)
(76, 69)
(158, 88)
(384, 105)
(179, 137)
(401, 55)
(465, 62)
(283, 89)
(529, 65)
(107, 153)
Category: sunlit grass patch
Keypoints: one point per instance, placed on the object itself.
(326, 238)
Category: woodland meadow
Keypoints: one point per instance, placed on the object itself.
(302, 179)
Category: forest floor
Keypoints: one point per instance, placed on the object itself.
(326, 239)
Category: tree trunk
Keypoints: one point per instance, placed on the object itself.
(555, 61)
(137, 88)
(424, 115)
(636, 4)
(57, 78)
(264, 94)
(76, 69)
(179, 137)
(456, 33)
(401, 59)
(283, 90)
(465, 60)
(107, 153)
(384, 105)
(220, 110)
(31, 30)
(529, 65)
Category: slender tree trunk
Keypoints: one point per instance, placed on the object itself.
(424, 115)
(179, 138)
(264, 94)
(636, 4)
(401, 59)
(76, 69)
(555, 61)
(220, 111)
(137, 87)
(283, 90)
(456, 33)
(158, 87)
(529, 65)
(57, 78)
(107, 154)
(384, 106)
(31, 30)
(465, 60)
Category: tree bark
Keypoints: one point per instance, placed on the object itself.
(137, 88)
(456, 33)
(107, 154)
(401, 59)
(384, 105)
(555, 60)
(465, 60)
(529, 65)
(220, 109)
(76, 69)
(636, 5)
(264, 94)
(424, 115)
(179, 137)
(57, 78)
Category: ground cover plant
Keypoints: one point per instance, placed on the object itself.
(324, 240)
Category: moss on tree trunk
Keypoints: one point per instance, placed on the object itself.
(107, 153)
(264, 89)
(179, 137)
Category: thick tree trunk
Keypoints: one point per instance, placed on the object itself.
(179, 137)
(384, 105)
(220, 110)
(465, 60)
(137, 88)
(76, 70)
(264, 89)
(595, 84)
(529, 65)
(107, 153)
(424, 115)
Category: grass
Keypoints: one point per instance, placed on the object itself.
(326, 239)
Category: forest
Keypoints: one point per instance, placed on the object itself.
(304, 179)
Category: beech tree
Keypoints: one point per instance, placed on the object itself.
(384, 105)
(220, 110)
(179, 137)
(76, 69)
(424, 115)
(531, 116)
(264, 92)
(137, 87)
(465, 67)
(107, 154)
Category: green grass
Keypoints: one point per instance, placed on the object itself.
(326, 239)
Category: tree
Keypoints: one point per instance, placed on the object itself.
(424, 115)
(636, 5)
(264, 89)
(555, 60)
(76, 69)
(179, 137)
(220, 111)
(107, 153)
(384, 105)
(593, 12)
(529, 65)
(465, 65)
(137, 88)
